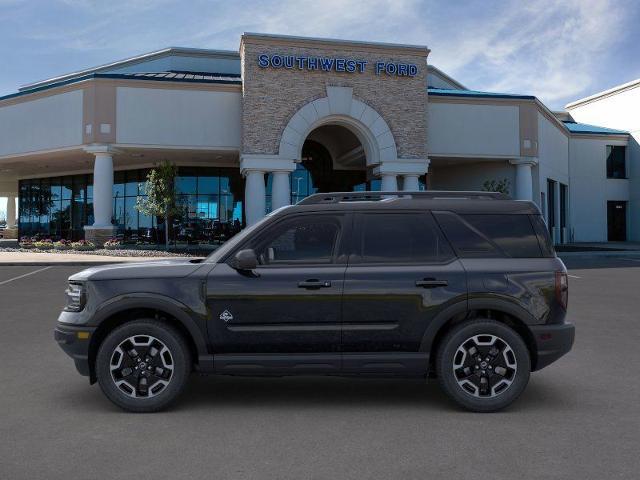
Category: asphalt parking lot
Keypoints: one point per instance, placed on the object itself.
(578, 419)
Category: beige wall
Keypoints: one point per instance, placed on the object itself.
(50, 122)
(176, 117)
(271, 96)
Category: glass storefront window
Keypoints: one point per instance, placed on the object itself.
(59, 207)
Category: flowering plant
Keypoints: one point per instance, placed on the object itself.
(46, 244)
(83, 245)
(62, 245)
(112, 244)
(25, 242)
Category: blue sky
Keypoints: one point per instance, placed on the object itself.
(557, 50)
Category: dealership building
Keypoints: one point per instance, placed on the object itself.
(284, 117)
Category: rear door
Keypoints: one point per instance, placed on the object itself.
(401, 274)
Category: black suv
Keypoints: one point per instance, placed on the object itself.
(462, 286)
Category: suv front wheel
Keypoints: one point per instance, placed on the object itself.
(143, 365)
(483, 365)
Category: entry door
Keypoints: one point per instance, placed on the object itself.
(291, 302)
(401, 274)
(617, 221)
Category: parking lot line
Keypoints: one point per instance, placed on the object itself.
(25, 275)
(573, 276)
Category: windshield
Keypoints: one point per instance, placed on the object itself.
(230, 244)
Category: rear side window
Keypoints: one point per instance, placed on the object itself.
(544, 239)
(487, 235)
(410, 238)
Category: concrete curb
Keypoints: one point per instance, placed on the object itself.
(607, 253)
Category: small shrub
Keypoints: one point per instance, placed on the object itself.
(43, 244)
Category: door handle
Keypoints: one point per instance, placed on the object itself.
(314, 284)
(431, 283)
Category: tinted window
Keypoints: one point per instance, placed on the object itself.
(616, 161)
(401, 238)
(544, 239)
(491, 235)
(299, 240)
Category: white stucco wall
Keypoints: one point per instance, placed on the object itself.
(467, 129)
(189, 118)
(42, 124)
(553, 163)
(620, 111)
(590, 189)
(467, 175)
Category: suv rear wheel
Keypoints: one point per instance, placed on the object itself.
(483, 365)
(142, 366)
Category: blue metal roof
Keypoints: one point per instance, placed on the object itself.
(188, 77)
(445, 92)
(585, 128)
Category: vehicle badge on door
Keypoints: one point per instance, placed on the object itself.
(226, 316)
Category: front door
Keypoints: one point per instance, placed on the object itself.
(617, 221)
(401, 274)
(289, 305)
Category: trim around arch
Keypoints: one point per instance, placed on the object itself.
(340, 108)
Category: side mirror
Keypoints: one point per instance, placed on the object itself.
(245, 260)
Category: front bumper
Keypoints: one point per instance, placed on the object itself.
(552, 342)
(75, 340)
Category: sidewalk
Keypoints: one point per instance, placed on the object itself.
(35, 259)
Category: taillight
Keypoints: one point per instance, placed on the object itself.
(562, 289)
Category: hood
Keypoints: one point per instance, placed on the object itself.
(173, 268)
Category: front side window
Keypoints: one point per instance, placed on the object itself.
(412, 238)
(300, 240)
(616, 164)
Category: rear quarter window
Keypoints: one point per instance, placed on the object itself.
(491, 235)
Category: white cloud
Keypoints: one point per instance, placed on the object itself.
(548, 48)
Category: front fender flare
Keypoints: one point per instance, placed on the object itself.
(162, 303)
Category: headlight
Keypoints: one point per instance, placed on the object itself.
(76, 297)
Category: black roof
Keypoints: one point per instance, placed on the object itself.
(459, 202)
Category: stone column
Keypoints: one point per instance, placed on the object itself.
(389, 182)
(102, 229)
(254, 196)
(253, 167)
(280, 190)
(11, 211)
(524, 178)
(411, 183)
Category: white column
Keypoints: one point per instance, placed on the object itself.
(410, 183)
(280, 190)
(389, 182)
(254, 196)
(524, 178)
(11, 212)
(103, 189)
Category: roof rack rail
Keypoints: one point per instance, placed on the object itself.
(337, 197)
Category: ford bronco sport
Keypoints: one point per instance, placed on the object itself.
(462, 286)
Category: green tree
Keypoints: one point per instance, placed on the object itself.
(161, 198)
(501, 186)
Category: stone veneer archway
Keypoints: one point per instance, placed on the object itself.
(340, 108)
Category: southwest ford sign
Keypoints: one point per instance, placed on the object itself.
(334, 64)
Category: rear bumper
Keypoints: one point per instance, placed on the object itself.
(552, 342)
(75, 343)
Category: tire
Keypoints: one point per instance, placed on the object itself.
(143, 365)
(461, 369)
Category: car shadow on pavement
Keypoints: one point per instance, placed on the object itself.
(204, 392)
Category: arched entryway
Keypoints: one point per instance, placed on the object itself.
(334, 143)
